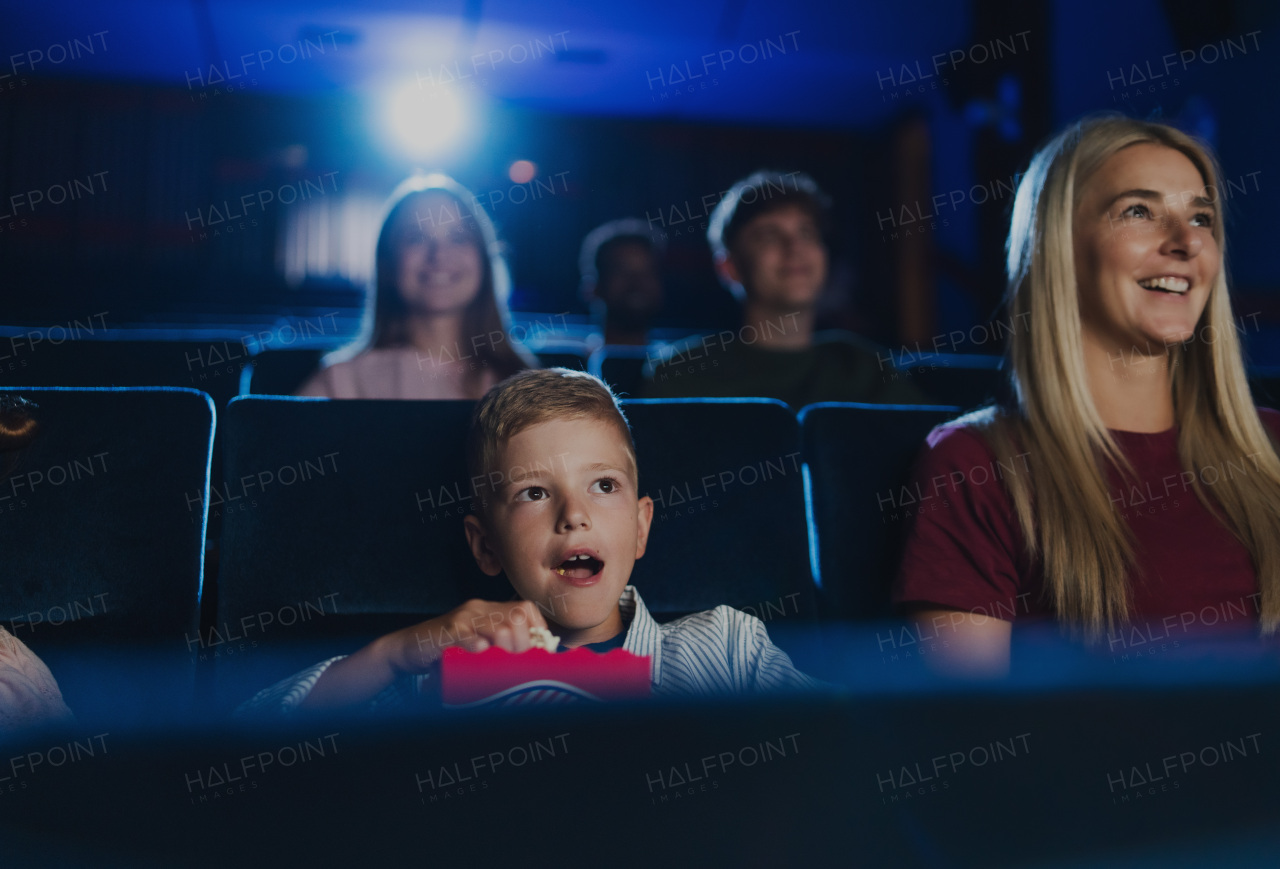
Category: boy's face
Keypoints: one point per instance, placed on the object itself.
(779, 259)
(567, 491)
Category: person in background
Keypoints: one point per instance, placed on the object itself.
(1130, 489)
(621, 279)
(29, 695)
(766, 236)
(436, 325)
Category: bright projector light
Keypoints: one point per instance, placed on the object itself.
(425, 120)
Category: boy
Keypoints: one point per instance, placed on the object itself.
(565, 523)
(766, 235)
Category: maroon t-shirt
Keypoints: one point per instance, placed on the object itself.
(966, 551)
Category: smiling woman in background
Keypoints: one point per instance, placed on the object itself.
(1131, 480)
(436, 324)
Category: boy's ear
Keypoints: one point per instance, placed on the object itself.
(643, 521)
(478, 540)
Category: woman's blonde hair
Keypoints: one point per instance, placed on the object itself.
(1082, 545)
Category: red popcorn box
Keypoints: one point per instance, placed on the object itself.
(538, 676)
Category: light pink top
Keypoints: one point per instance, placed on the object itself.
(399, 373)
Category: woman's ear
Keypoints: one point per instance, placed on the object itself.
(478, 540)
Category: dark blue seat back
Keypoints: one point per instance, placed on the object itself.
(621, 367)
(213, 366)
(562, 359)
(962, 380)
(102, 532)
(728, 525)
(341, 520)
(560, 353)
(859, 458)
(344, 518)
(1265, 384)
(280, 372)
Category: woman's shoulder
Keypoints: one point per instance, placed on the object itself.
(976, 448)
(968, 435)
(317, 385)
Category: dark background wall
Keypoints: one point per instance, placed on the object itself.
(886, 107)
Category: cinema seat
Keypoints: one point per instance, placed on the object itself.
(102, 533)
(345, 518)
(1265, 384)
(341, 520)
(562, 354)
(728, 525)
(963, 380)
(213, 366)
(622, 367)
(859, 458)
(280, 372)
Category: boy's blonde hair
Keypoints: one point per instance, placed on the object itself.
(536, 396)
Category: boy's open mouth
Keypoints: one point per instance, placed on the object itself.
(580, 566)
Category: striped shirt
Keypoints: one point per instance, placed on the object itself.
(715, 652)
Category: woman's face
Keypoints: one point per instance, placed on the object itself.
(439, 263)
(1145, 255)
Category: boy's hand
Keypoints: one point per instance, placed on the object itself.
(474, 626)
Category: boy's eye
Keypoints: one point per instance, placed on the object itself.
(605, 486)
(533, 493)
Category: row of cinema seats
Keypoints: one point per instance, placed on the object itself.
(101, 542)
(964, 380)
(277, 361)
(282, 372)
(226, 367)
(342, 520)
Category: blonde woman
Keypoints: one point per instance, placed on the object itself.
(1129, 490)
(436, 325)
